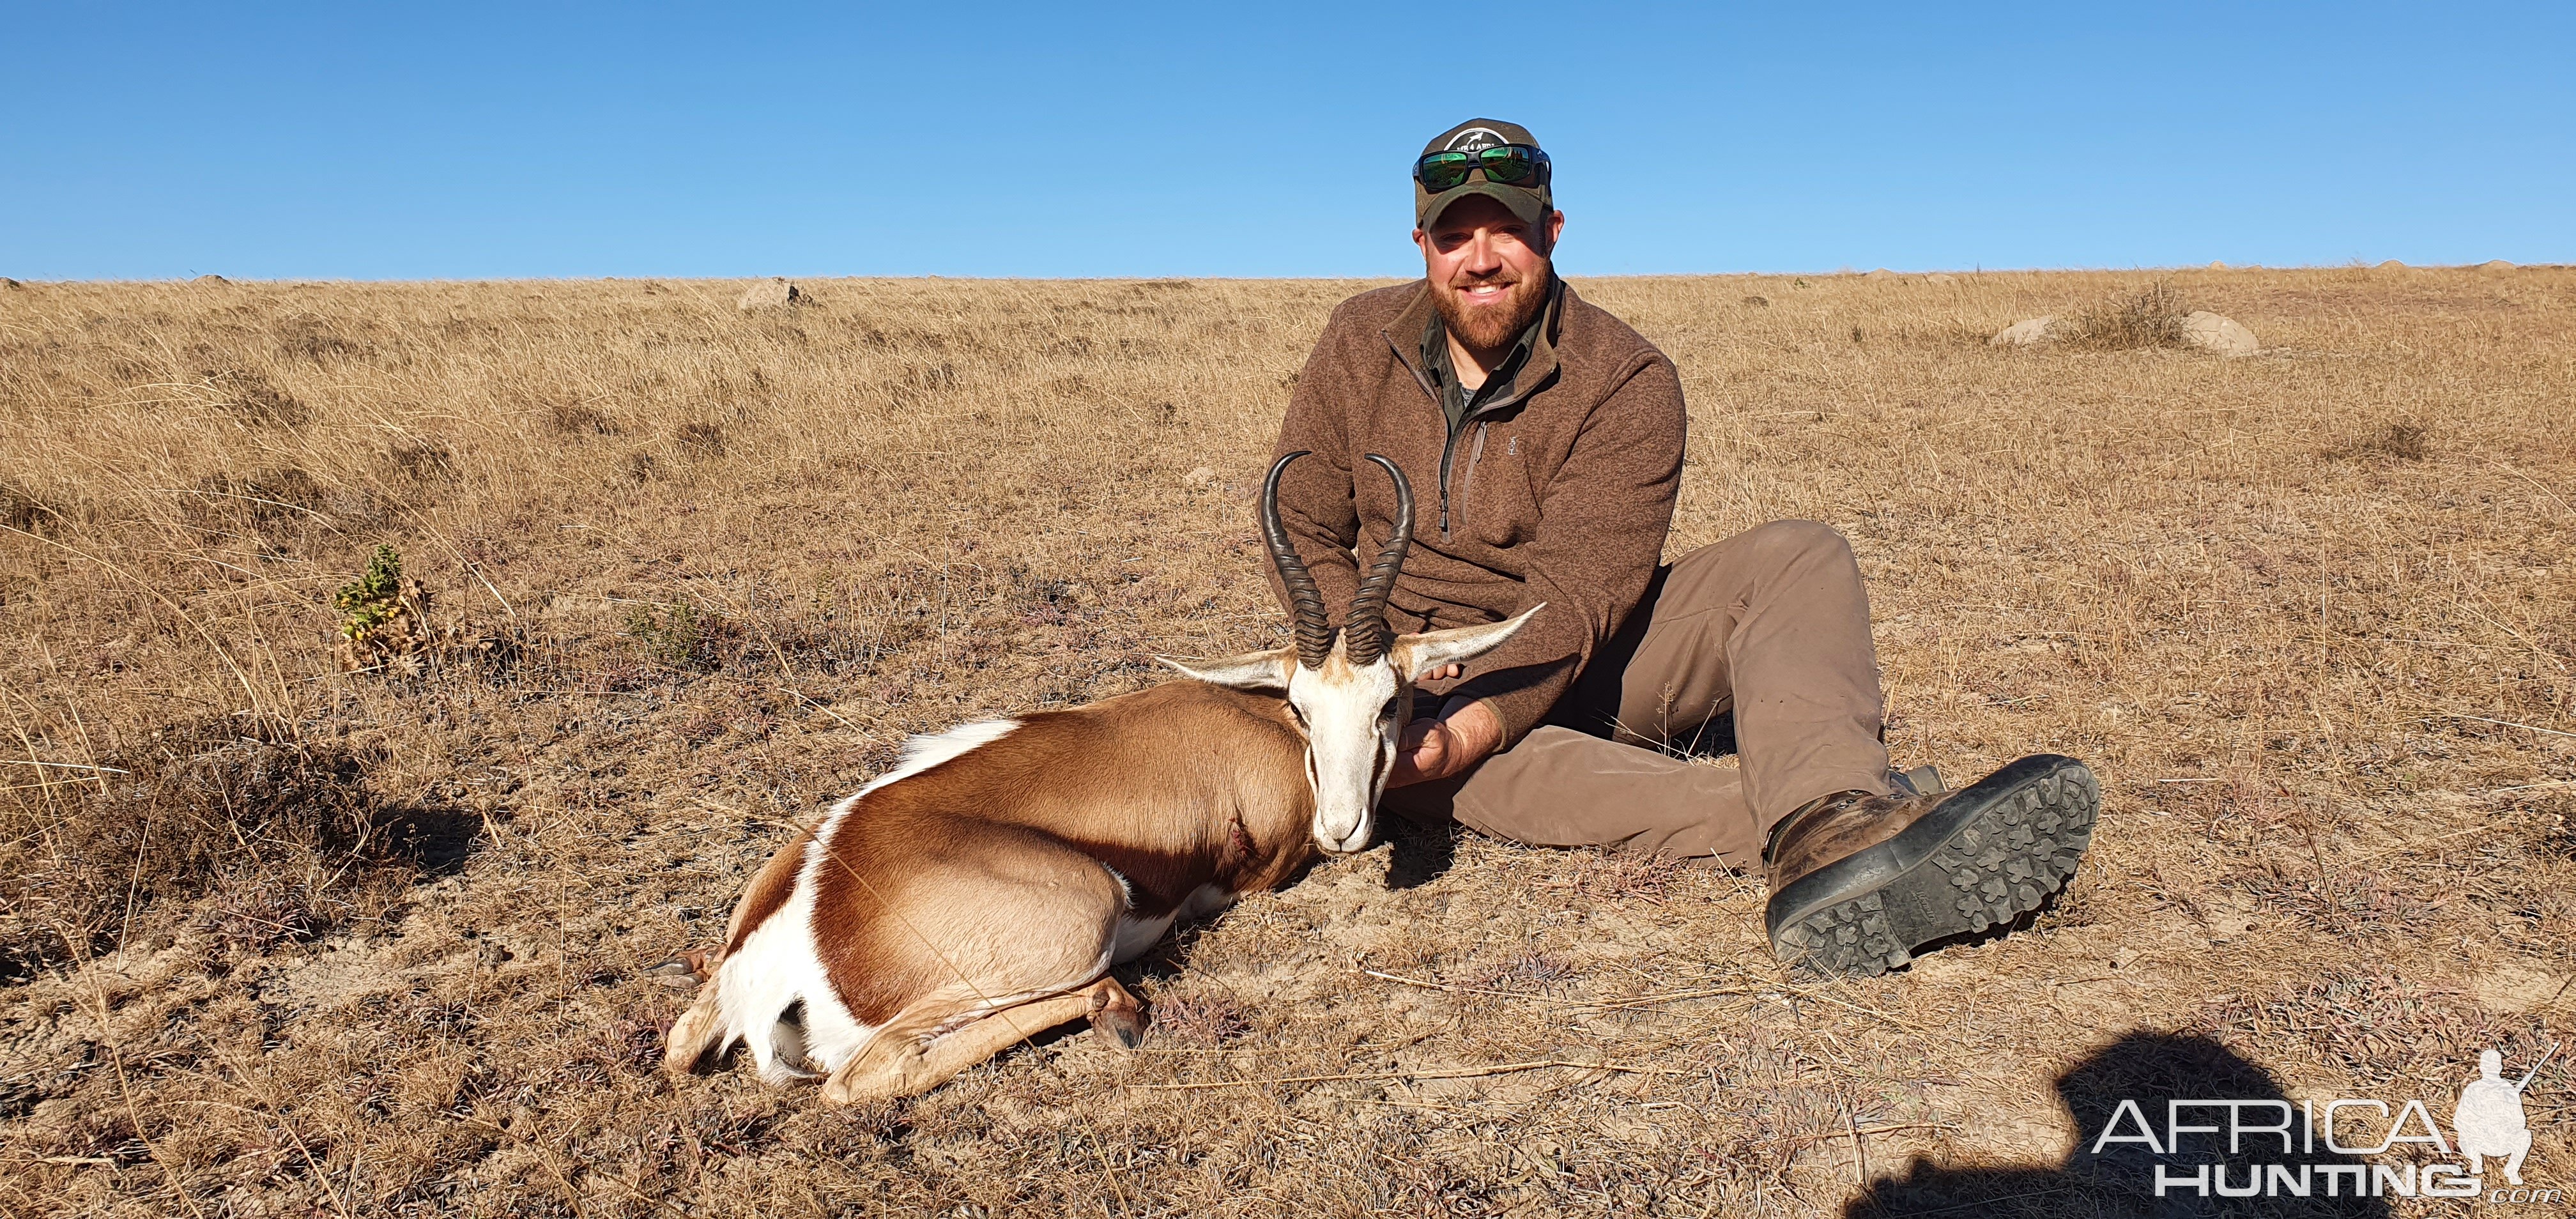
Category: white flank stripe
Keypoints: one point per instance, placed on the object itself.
(780, 964)
(923, 752)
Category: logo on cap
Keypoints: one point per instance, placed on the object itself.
(1475, 139)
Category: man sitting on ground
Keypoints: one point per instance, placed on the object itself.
(1553, 435)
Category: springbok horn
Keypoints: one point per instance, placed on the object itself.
(1370, 637)
(1314, 627)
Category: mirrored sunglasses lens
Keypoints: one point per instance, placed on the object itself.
(1510, 163)
(1443, 170)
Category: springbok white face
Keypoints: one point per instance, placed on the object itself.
(1352, 714)
(1351, 691)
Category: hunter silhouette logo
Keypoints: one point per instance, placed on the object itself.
(2489, 1120)
(2487, 1123)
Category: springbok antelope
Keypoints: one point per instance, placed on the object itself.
(979, 893)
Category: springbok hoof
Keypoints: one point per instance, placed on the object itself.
(1123, 1026)
(683, 972)
(1116, 1017)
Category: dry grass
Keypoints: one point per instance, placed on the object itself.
(2145, 317)
(283, 939)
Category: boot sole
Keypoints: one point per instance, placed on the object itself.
(1985, 857)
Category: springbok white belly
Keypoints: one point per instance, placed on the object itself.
(1135, 935)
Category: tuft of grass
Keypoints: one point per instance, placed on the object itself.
(674, 634)
(2149, 317)
(21, 510)
(2400, 440)
(576, 419)
(422, 461)
(251, 398)
(700, 439)
(310, 338)
(283, 836)
(277, 497)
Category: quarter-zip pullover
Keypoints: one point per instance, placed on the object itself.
(1500, 387)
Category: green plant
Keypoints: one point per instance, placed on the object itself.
(373, 599)
(672, 634)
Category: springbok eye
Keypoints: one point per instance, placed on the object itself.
(1297, 715)
(1387, 712)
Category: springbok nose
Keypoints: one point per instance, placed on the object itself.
(1342, 835)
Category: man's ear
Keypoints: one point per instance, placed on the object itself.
(1265, 672)
(1415, 655)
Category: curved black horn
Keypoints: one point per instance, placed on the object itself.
(1370, 637)
(1314, 626)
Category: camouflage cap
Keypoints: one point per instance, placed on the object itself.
(1531, 203)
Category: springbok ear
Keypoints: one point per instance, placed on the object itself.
(1415, 655)
(1259, 671)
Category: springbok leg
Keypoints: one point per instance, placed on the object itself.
(896, 1066)
(1116, 1015)
(693, 1034)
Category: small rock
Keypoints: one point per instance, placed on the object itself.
(1881, 273)
(1758, 302)
(1199, 477)
(2029, 332)
(2217, 266)
(1939, 277)
(211, 281)
(772, 293)
(2218, 335)
(2392, 265)
(9, 285)
(2496, 264)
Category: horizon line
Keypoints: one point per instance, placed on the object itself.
(1845, 272)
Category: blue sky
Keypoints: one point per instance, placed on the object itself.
(376, 141)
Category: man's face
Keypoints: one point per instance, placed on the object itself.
(1488, 270)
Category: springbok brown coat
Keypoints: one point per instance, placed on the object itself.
(980, 893)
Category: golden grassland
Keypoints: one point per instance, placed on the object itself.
(276, 938)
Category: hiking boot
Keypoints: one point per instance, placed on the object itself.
(1858, 881)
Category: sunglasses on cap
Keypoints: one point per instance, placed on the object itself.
(1509, 164)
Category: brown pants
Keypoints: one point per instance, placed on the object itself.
(1771, 625)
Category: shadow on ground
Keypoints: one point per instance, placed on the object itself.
(2149, 1068)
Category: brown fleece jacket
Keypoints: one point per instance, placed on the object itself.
(1558, 492)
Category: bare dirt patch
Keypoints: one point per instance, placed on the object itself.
(287, 939)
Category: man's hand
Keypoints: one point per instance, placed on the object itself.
(1464, 734)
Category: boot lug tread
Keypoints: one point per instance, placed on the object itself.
(2006, 862)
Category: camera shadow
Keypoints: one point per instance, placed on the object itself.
(2149, 1068)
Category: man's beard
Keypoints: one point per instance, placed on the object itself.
(1490, 326)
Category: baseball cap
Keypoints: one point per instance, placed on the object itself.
(1531, 203)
